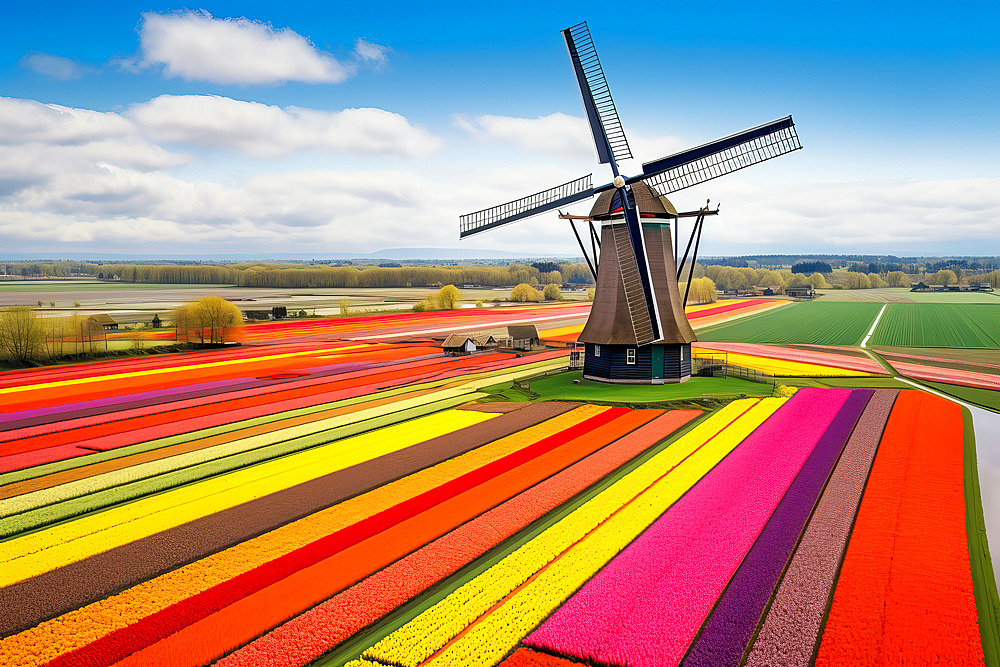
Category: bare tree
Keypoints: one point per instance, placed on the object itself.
(22, 336)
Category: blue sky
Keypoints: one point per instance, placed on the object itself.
(350, 127)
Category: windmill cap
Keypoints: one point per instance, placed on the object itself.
(648, 201)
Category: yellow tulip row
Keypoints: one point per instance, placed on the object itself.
(66, 543)
(427, 634)
(495, 635)
(42, 497)
(78, 628)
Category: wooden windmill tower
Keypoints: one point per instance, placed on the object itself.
(637, 331)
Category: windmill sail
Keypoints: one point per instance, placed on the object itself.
(720, 157)
(525, 207)
(609, 137)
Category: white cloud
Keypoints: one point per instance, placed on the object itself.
(26, 120)
(557, 134)
(52, 66)
(271, 131)
(198, 47)
(370, 52)
(42, 140)
(903, 217)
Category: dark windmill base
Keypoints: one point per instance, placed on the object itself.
(645, 364)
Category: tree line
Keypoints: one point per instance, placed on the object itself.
(277, 275)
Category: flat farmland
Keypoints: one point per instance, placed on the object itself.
(969, 325)
(904, 295)
(133, 302)
(815, 322)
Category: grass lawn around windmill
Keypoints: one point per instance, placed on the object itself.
(562, 387)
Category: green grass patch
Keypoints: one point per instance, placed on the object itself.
(815, 322)
(983, 580)
(560, 387)
(971, 325)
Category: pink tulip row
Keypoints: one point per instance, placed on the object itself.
(647, 605)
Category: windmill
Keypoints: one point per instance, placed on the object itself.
(637, 331)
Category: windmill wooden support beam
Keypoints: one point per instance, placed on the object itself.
(637, 330)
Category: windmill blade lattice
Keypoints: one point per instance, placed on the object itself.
(720, 157)
(525, 207)
(601, 112)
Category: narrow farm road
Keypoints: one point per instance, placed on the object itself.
(878, 317)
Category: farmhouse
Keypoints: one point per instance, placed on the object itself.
(459, 344)
(523, 336)
(104, 321)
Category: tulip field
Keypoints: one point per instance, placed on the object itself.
(339, 492)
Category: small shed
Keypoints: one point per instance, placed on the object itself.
(458, 344)
(523, 336)
(104, 321)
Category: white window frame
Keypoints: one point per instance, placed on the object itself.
(630, 356)
(597, 350)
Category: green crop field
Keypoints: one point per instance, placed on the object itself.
(904, 295)
(814, 322)
(939, 325)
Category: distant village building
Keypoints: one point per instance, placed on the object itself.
(104, 321)
(804, 292)
(973, 287)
